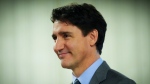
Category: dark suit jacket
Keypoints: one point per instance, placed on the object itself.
(105, 75)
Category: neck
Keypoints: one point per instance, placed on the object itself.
(85, 64)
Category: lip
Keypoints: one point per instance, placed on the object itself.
(62, 55)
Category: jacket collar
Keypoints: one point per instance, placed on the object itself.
(100, 73)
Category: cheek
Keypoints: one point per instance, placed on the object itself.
(77, 47)
(71, 45)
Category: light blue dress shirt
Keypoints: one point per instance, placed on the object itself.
(86, 76)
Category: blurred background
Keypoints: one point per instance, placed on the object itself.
(26, 46)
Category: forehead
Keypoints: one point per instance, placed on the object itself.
(59, 26)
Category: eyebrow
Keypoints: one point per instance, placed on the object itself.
(62, 33)
(65, 32)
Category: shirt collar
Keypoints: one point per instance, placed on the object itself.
(86, 76)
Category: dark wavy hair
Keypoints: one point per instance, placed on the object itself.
(85, 17)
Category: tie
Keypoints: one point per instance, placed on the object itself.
(77, 81)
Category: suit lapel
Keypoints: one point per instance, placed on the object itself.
(100, 73)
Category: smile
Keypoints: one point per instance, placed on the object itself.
(62, 55)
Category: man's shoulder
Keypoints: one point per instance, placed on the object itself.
(106, 75)
(114, 77)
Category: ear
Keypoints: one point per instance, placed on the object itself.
(93, 35)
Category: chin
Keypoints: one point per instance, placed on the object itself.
(65, 65)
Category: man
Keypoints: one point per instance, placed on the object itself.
(79, 32)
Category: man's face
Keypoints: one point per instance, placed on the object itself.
(71, 46)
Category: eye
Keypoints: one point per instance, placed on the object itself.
(54, 37)
(65, 35)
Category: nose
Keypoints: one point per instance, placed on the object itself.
(59, 45)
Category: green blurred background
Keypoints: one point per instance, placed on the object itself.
(26, 46)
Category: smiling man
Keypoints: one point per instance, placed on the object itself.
(79, 32)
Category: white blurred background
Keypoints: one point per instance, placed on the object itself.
(26, 46)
